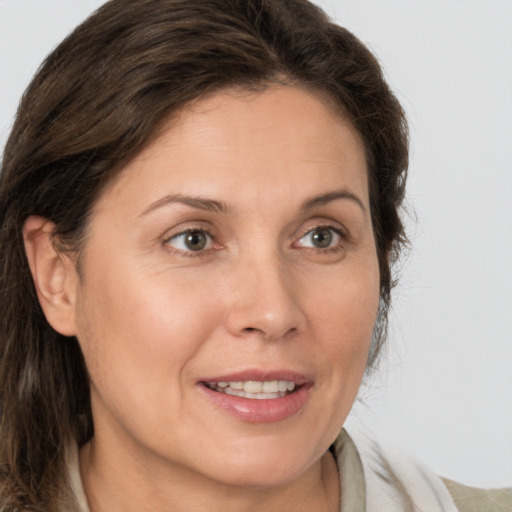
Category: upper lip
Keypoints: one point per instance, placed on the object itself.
(261, 376)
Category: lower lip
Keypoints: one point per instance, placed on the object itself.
(254, 410)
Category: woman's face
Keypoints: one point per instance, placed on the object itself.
(236, 248)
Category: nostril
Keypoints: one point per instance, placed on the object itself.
(267, 335)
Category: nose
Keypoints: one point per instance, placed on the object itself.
(264, 300)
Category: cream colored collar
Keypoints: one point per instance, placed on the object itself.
(375, 479)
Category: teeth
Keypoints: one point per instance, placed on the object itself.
(255, 389)
(282, 385)
(253, 386)
(270, 387)
(234, 392)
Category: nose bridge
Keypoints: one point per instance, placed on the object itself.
(264, 298)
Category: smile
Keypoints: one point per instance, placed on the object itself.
(258, 396)
(259, 390)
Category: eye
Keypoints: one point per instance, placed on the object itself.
(193, 240)
(321, 237)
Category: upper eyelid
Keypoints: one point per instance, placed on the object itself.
(338, 231)
(328, 225)
(175, 232)
(336, 226)
(186, 231)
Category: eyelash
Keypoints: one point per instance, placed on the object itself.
(189, 253)
(328, 250)
(205, 252)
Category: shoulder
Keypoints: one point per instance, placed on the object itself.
(472, 499)
(388, 480)
(395, 481)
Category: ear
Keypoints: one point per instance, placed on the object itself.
(54, 275)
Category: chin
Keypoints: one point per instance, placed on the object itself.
(263, 473)
(265, 462)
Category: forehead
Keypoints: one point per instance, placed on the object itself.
(237, 142)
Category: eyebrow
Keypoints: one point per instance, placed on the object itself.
(199, 203)
(321, 200)
(212, 205)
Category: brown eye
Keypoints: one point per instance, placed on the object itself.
(190, 241)
(195, 240)
(321, 237)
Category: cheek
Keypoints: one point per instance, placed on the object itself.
(344, 315)
(135, 329)
(347, 305)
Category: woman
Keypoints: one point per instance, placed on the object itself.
(199, 207)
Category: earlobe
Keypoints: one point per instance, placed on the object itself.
(54, 275)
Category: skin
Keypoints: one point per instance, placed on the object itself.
(153, 317)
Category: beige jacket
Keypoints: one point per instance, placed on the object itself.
(375, 480)
(372, 480)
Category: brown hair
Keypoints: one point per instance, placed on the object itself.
(97, 100)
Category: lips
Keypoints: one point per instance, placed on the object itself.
(258, 397)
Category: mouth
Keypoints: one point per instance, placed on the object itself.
(257, 396)
(254, 389)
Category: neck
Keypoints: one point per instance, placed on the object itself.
(124, 484)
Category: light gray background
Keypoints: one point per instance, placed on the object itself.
(444, 391)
